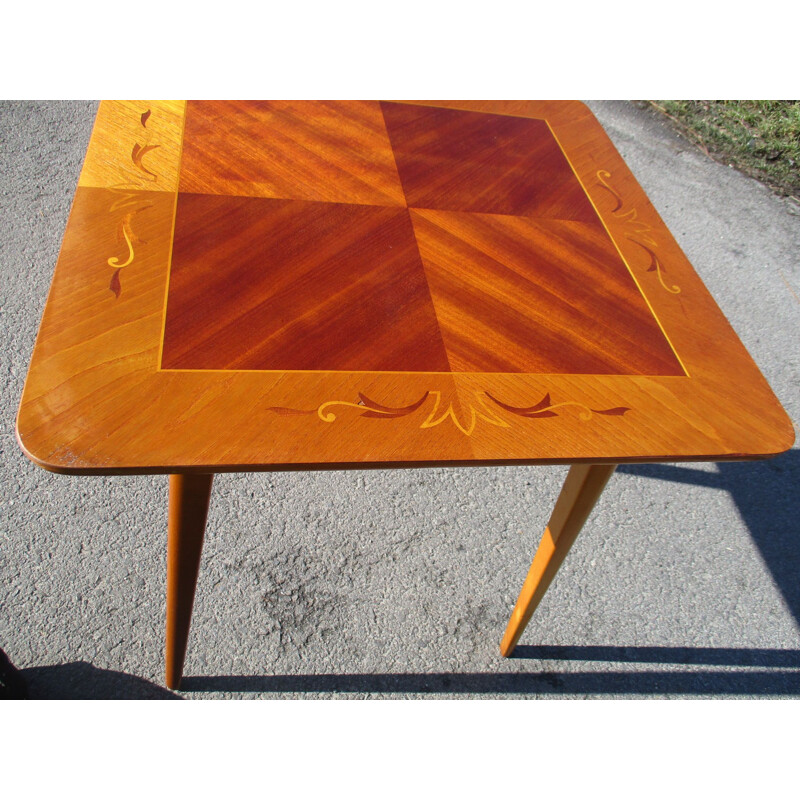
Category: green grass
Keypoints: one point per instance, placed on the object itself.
(759, 137)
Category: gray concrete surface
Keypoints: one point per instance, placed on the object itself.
(399, 583)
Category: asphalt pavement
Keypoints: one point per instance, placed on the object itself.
(398, 583)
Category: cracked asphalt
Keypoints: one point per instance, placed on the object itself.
(393, 583)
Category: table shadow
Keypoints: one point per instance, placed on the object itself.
(80, 680)
(777, 674)
(767, 498)
(758, 673)
(706, 656)
(749, 682)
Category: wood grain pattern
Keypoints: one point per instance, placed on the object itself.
(96, 400)
(484, 163)
(291, 285)
(335, 152)
(536, 296)
(135, 145)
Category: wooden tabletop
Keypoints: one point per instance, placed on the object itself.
(262, 285)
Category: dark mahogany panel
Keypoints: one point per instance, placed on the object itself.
(291, 285)
(533, 285)
(331, 151)
(545, 296)
(487, 163)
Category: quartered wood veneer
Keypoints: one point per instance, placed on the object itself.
(265, 284)
(307, 285)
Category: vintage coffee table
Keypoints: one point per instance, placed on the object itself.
(323, 285)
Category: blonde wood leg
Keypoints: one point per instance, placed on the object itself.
(582, 489)
(189, 496)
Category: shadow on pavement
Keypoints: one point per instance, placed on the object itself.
(767, 497)
(708, 656)
(695, 682)
(82, 681)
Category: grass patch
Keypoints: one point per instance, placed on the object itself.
(759, 137)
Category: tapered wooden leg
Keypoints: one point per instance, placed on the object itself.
(582, 489)
(188, 508)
